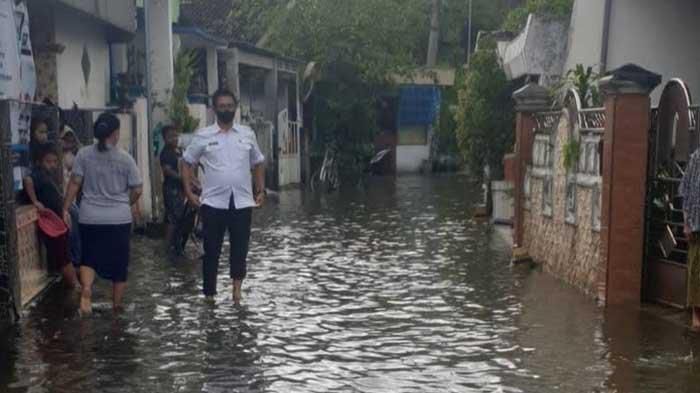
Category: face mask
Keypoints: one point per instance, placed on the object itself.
(225, 117)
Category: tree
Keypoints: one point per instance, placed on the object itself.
(358, 45)
(517, 18)
(178, 110)
(487, 15)
(485, 116)
(234, 20)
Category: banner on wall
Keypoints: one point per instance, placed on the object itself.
(9, 52)
(22, 83)
(20, 120)
(27, 74)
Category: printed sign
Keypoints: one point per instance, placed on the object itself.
(9, 53)
(27, 75)
(20, 121)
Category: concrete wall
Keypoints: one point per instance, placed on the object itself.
(410, 159)
(585, 34)
(78, 33)
(662, 36)
(121, 13)
(568, 250)
(538, 50)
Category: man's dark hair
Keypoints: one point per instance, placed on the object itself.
(44, 150)
(167, 130)
(223, 93)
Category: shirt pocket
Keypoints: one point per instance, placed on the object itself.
(242, 150)
(214, 154)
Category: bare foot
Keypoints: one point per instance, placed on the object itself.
(236, 293)
(85, 302)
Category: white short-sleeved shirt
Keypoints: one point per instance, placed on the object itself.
(107, 178)
(227, 158)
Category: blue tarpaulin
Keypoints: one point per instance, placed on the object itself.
(418, 105)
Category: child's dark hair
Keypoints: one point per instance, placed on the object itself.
(167, 129)
(36, 122)
(105, 125)
(44, 150)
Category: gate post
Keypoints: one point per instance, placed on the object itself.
(626, 144)
(530, 99)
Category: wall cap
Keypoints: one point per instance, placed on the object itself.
(531, 98)
(629, 79)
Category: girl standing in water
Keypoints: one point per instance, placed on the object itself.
(111, 184)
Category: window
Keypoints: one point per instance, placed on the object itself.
(547, 191)
(527, 189)
(596, 209)
(570, 200)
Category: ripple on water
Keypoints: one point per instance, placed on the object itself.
(390, 289)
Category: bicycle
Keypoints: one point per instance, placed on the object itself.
(327, 176)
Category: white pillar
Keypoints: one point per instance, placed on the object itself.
(159, 58)
(159, 70)
(233, 77)
(212, 70)
(142, 154)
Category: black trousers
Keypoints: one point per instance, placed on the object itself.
(215, 223)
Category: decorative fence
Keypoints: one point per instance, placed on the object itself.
(562, 199)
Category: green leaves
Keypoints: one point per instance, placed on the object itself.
(178, 111)
(485, 115)
(517, 18)
(585, 81)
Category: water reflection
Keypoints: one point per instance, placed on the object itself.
(390, 287)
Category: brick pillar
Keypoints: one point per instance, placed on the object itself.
(627, 108)
(530, 99)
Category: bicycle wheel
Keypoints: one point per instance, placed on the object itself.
(315, 181)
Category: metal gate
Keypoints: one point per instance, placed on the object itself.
(672, 139)
(289, 157)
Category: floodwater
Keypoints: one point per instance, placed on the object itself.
(388, 288)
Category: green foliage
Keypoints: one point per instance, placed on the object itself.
(244, 20)
(485, 114)
(487, 15)
(178, 111)
(357, 45)
(445, 129)
(584, 80)
(571, 152)
(516, 19)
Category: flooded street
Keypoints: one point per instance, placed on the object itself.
(389, 288)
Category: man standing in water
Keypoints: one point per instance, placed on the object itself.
(228, 154)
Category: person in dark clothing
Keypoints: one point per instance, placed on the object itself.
(44, 193)
(173, 191)
(38, 136)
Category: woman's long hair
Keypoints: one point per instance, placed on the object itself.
(106, 125)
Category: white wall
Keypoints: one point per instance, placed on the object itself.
(201, 112)
(661, 36)
(585, 34)
(409, 159)
(75, 33)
